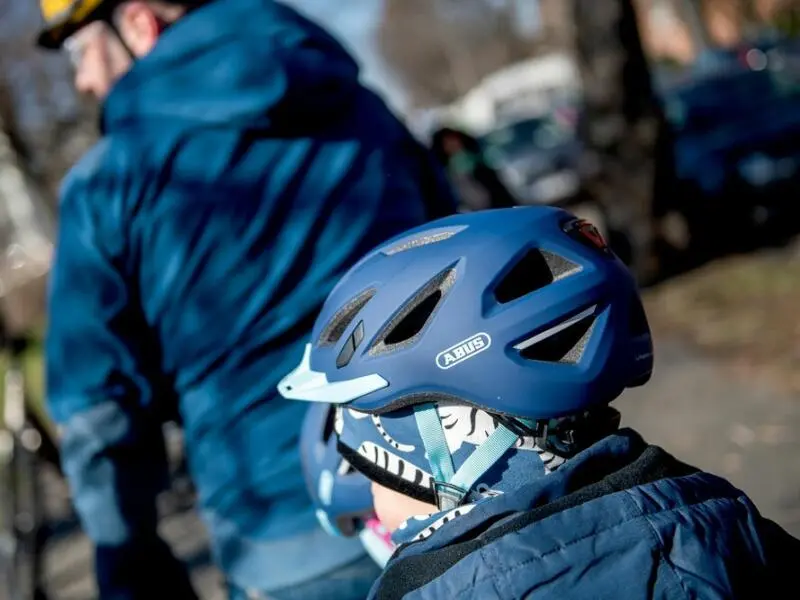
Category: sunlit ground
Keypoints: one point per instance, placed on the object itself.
(743, 309)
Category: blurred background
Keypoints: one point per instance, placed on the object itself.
(674, 125)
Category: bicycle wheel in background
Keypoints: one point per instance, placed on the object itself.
(27, 233)
(8, 536)
(22, 505)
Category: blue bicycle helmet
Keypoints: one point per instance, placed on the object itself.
(340, 494)
(452, 344)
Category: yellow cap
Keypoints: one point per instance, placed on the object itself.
(62, 18)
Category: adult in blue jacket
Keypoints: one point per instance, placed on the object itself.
(241, 171)
(473, 391)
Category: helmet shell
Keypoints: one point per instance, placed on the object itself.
(523, 312)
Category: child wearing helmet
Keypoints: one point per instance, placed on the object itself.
(472, 362)
(341, 494)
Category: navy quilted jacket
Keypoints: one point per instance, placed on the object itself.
(622, 520)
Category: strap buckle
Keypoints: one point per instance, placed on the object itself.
(447, 495)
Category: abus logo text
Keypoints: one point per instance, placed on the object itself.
(458, 353)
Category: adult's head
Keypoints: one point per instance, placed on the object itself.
(105, 37)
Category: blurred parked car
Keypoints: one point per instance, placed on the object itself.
(767, 51)
(737, 143)
(735, 117)
(537, 157)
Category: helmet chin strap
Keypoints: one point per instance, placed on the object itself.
(118, 34)
(451, 487)
(108, 16)
(111, 22)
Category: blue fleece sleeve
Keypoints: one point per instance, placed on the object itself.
(112, 446)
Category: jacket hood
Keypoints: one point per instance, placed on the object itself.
(249, 62)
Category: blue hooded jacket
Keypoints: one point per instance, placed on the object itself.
(621, 520)
(243, 169)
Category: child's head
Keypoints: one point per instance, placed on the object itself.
(393, 507)
(475, 353)
(342, 495)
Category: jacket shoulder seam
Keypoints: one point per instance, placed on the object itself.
(651, 530)
(640, 516)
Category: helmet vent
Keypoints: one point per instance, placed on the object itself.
(430, 236)
(414, 321)
(564, 343)
(559, 266)
(350, 346)
(535, 270)
(408, 324)
(341, 320)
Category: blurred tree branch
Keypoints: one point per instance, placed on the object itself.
(627, 139)
(26, 232)
(440, 49)
(10, 123)
(694, 15)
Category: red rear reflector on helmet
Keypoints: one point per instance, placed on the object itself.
(584, 232)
